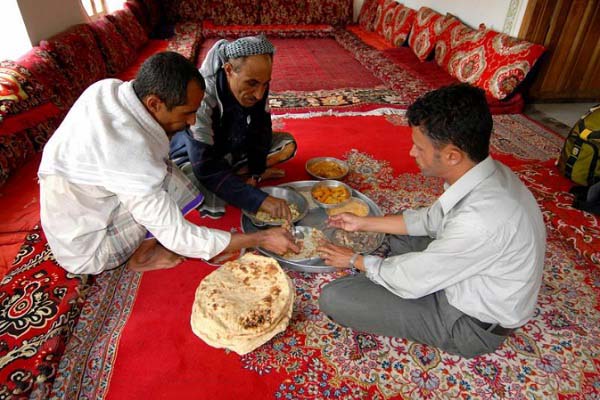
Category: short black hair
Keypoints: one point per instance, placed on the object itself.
(166, 75)
(456, 114)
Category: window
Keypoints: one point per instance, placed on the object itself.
(15, 39)
(97, 8)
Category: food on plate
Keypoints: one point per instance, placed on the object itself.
(330, 195)
(327, 169)
(308, 245)
(243, 304)
(355, 206)
(266, 217)
(360, 242)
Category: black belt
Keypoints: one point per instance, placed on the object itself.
(497, 330)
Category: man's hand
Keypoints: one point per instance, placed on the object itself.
(346, 221)
(276, 208)
(278, 241)
(335, 256)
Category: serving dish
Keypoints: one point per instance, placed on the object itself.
(327, 168)
(288, 194)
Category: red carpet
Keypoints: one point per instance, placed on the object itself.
(134, 341)
(312, 64)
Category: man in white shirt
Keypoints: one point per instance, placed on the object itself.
(465, 271)
(108, 192)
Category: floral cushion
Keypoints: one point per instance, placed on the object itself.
(186, 40)
(46, 70)
(129, 27)
(154, 12)
(332, 12)
(285, 12)
(188, 10)
(497, 64)
(422, 35)
(386, 26)
(235, 12)
(14, 152)
(114, 48)
(366, 17)
(138, 8)
(402, 24)
(19, 90)
(381, 8)
(29, 119)
(454, 35)
(78, 55)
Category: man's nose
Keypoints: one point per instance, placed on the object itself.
(259, 92)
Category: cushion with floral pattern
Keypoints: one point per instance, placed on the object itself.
(422, 35)
(387, 16)
(115, 48)
(497, 64)
(129, 27)
(19, 90)
(454, 35)
(366, 17)
(402, 24)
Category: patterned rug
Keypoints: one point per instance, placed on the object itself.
(134, 332)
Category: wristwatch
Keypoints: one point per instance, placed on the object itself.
(352, 263)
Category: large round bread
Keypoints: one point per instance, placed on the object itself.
(242, 300)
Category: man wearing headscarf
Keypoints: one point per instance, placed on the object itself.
(232, 146)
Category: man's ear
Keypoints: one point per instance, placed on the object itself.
(153, 103)
(453, 155)
(228, 68)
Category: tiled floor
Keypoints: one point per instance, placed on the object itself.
(558, 116)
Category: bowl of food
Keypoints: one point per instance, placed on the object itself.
(297, 203)
(331, 194)
(355, 206)
(327, 168)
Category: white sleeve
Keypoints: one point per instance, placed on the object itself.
(460, 253)
(159, 213)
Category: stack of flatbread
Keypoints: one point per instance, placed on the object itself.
(243, 304)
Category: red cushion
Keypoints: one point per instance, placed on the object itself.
(371, 38)
(15, 150)
(117, 53)
(403, 21)
(78, 55)
(46, 70)
(28, 119)
(129, 27)
(153, 46)
(366, 17)
(422, 35)
(377, 23)
(386, 26)
(138, 8)
(454, 35)
(497, 65)
(19, 90)
(283, 12)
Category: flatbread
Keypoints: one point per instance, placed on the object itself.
(243, 304)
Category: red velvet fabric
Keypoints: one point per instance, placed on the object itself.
(79, 57)
(138, 8)
(129, 27)
(115, 49)
(28, 119)
(19, 210)
(498, 63)
(422, 36)
(14, 151)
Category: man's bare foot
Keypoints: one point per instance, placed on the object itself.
(273, 173)
(151, 256)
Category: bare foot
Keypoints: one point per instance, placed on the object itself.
(151, 256)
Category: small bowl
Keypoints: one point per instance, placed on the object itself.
(335, 185)
(355, 206)
(288, 194)
(318, 168)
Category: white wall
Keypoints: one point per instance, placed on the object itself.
(500, 15)
(45, 18)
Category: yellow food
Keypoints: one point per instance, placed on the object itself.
(356, 207)
(330, 195)
(327, 169)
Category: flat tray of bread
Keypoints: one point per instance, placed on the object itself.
(313, 227)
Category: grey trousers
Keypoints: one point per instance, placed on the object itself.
(358, 303)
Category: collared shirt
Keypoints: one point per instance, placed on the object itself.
(487, 253)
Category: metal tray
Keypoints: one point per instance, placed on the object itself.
(315, 217)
